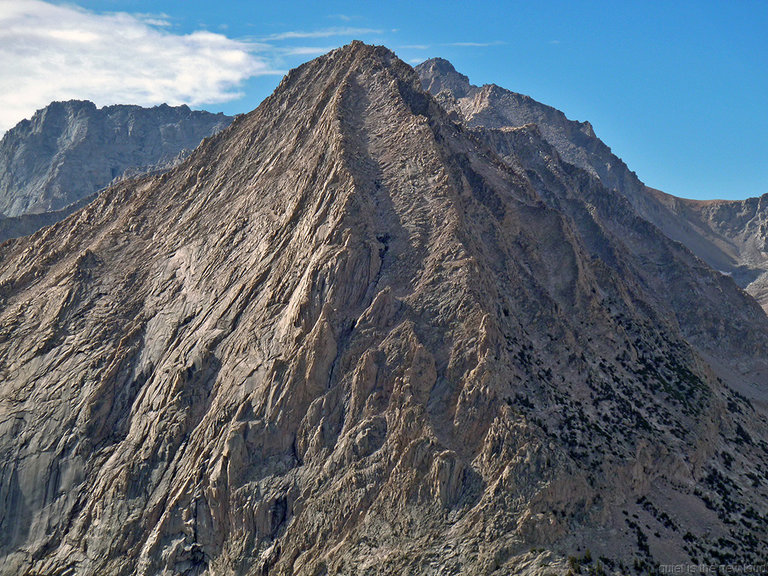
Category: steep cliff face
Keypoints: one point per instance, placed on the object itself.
(730, 235)
(726, 235)
(70, 150)
(345, 336)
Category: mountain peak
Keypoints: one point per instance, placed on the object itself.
(349, 54)
(360, 47)
(438, 74)
(338, 86)
(345, 336)
(438, 64)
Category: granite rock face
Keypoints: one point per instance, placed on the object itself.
(346, 336)
(729, 236)
(69, 150)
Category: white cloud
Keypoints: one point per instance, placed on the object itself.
(343, 17)
(59, 52)
(324, 33)
(476, 44)
(154, 19)
(307, 50)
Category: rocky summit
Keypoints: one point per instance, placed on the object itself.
(70, 150)
(352, 335)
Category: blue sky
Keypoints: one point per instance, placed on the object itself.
(678, 90)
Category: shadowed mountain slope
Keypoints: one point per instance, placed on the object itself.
(345, 336)
(728, 235)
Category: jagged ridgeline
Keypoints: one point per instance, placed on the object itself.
(70, 150)
(731, 236)
(348, 335)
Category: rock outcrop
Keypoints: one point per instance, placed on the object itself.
(728, 235)
(346, 336)
(69, 150)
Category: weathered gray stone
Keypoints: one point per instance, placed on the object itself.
(70, 150)
(730, 236)
(344, 336)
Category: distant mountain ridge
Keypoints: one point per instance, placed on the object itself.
(494, 107)
(26, 224)
(70, 150)
(728, 235)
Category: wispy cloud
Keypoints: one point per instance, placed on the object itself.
(56, 52)
(343, 17)
(160, 19)
(476, 44)
(307, 50)
(323, 33)
(415, 47)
